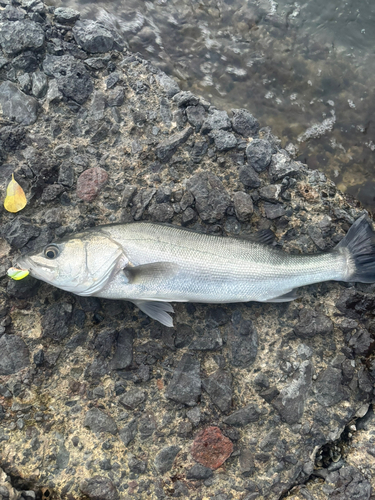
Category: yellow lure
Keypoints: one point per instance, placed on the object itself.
(15, 199)
(17, 274)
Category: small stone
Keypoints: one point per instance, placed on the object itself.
(93, 37)
(90, 182)
(169, 85)
(270, 193)
(116, 97)
(219, 387)
(26, 61)
(128, 432)
(282, 165)
(14, 354)
(199, 472)
(273, 210)
(98, 421)
(123, 356)
(243, 206)
(216, 120)
(99, 488)
(166, 149)
(161, 212)
(186, 98)
(243, 416)
(244, 123)
(55, 321)
(141, 201)
(196, 116)
(209, 341)
(259, 154)
(312, 323)
(211, 198)
(17, 36)
(66, 15)
(198, 151)
(51, 192)
(188, 217)
(247, 466)
(164, 459)
(361, 342)
(185, 385)
(39, 84)
(16, 105)
(249, 177)
(224, 141)
(66, 174)
(132, 399)
(328, 387)
(211, 448)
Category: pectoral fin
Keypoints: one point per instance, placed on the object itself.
(156, 310)
(147, 272)
(286, 297)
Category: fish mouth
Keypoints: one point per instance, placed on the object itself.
(43, 273)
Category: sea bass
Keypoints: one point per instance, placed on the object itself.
(154, 264)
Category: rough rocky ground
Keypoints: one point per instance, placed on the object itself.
(240, 401)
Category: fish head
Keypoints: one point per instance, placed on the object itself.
(82, 264)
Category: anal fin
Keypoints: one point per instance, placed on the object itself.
(156, 310)
(286, 297)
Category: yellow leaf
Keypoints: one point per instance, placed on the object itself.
(17, 274)
(15, 199)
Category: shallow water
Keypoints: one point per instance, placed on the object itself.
(305, 69)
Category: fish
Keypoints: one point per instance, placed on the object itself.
(152, 265)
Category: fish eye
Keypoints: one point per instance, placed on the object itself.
(51, 252)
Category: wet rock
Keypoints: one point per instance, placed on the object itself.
(168, 84)
(282, 165)
(259, 154)
(186, 98)
(199, 472)
(90, 182)
(166, 149)
(132, 399)
(164, 459)
(123, 356)
(219, 387)
(98, 421)
(128, 432)
(243, 416)
(312, 323)
(185, 385)
(196, 116)
(19, 232)
(211, 448)
(328, 387)
(18, 36)
(99, 488)
(66, 15)
(244, 123)
(243, 206)
(14, 354)
(72, 78)
(55, 321)
(290, 403)
(16, 105)
(93, 37)
(273, 210)
(223, 140)
(211, 198)
(249, 177)
(216, 120)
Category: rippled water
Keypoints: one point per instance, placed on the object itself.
(305, 69)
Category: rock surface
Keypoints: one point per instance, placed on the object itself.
(97, 401)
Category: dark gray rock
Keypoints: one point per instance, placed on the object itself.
(19, 232)
(219, 387)
(188, 217)
(26, 61)
(249, 177)
(127, 194)
(161, 212)
(169, 85)
(123, 356)
(66, 15)
(39, 84)
(186, 98)
(55, 321)
(243, 206)
(66, 174)
(198, 151)
(199, 472)
(23, 289)
(135, 465)
(196, 116)
(51, 192)
(184, 335)
(216, 120)
(361, 342)
(99, 488)
(243, 341)
(164, 459)
(185, 385)
(132, 398)
(128, 432)
(312, 323)
(243, 416)
(290, 403)
(224, 141)
(246, 459)
(259, 154)
(270, 193)
(141, 201)
(116, 97)
(209, 341)
(18, 36)
(166, 149)
(211, 198)
(16, 105)
(282, 165)
(273, 210)
(93, 37)
(14, 354)
(98, 421)
(348, 483)
(73, 80)
(244, 123)
(104, 341)
(328, 387)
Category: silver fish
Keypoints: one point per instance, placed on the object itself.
(152, 265)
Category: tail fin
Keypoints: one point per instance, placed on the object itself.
(360, 243)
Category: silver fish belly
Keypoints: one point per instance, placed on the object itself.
(152, 264)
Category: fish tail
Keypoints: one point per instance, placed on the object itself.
(359, 247)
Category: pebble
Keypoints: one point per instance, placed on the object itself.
(93, 37)
(199, 472)
(19, 232)
(243, 416)
(185, 385)
(249, 177)
(66, 15)
(132, 399)
(312, 323)
(259, 154)
(99, 488)
(14, 354)
(166, 149)
(98, 421)
(219, 387)
(224, 141)
(128, 432)
(243, 206)
(18, 36)
(90, 183)
(216, 120)
(16, 105)
(244, 123)
(211, 198)
(211, 448)
(164, 459)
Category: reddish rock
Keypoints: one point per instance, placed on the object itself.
(90, 182)
(211, 448)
